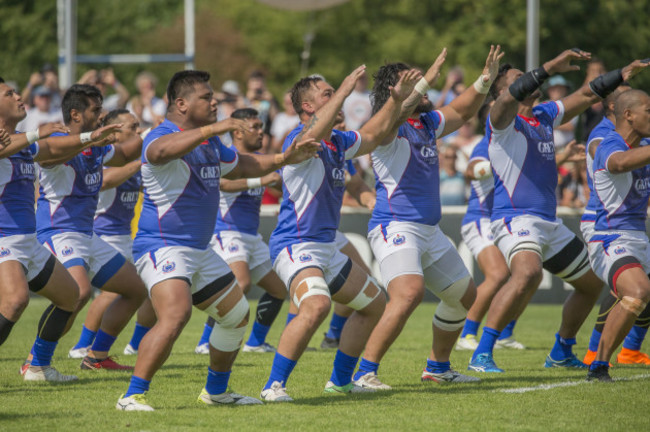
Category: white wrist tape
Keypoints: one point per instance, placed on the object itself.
(144, 134)
(253, 183)
(482, 170)
(86, 137)
(482, 86)
(422, 86)
(32, 136)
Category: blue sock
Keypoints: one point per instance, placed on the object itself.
(507, 332)
(486, 344)
(217, 382)
(595, 364)
(336, 326)
(42, 351)
(366, 366)
(562, 348)
(290, 318)
(594, 340)
(137, 386)
(86, 339)
(205, 337)
(103, 341)
(138, 334)
(280, 371)
(258, 334)
(343, 368)
(634, 338)
(470, 328)
(438, 367)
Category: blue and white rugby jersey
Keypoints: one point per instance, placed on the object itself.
(69, 193)
(17, 176)
(313, 193)
(523, 164)
(623, 197)
(407, 174)
(601, 130)
(181, 197)
(240, 211)
(482, 195)
(116, 208)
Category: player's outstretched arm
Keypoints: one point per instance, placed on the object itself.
(577, 102)
(322, 121)
(59, 149)
(127, 151)
(467, 104)
(174, 146)
(5, 139)
(384, 123)
(243, 184)
(573, 152)
(506, 106)
(625, 161)
(19, 141)
(252, 165)
(478, 169)
(115, 176)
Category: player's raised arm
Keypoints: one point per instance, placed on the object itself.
(523, 87)
(467, 104)
(577, 102)
(385, 122)
(115, 176)
(126, 152)
(55, 150)
(243, 184)
(322, 120)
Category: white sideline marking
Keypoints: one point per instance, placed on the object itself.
(566, 384)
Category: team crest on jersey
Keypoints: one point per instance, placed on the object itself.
(619, 250)
(4, 252)
(303, 258)
(490, 237)
(417, 124)
(67, 251)
(168, 267)
(430, 154)
(87, 152)
(399, 240)
(523, 233)
(232, 248)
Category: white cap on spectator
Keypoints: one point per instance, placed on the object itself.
(230, 87)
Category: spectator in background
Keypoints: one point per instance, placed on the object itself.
(146, 106)
(573, 190)
(283, 123)
(103, 80)
(453, 87)
(595, 113)
(41, 112)
(46, 77)
(357, 108)
(464, 142)
(558, 88)
(261, 99)
(452, 182)
(229, 99)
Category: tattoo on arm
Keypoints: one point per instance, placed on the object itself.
(308, 126)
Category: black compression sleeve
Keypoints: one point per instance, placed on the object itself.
(528, 83)
(606, 83)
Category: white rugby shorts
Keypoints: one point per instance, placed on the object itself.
(27, 250)
(235, 246)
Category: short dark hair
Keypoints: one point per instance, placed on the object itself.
(78, 98)
(183, 81)
(245, 114)
(495, 88)
(386, 76)
(257, 74)
(1, 80)
(611, 98)
(300, 88)
(112, 116)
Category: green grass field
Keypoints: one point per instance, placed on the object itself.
(89, 404)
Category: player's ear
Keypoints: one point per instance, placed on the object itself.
(76, 116)
(181, 105)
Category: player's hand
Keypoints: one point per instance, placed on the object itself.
(271, 179)
(434, 71)
(350, 81)
(491, 68)
(562, 63)
(5, 139)
(300, 151)
(405, 85)
(230, 125)
(48, 129)
(104, 135)
(634, 68)
(575, 152)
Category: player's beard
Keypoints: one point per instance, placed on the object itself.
(424, 106)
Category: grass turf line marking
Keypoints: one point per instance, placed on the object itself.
(565, 384)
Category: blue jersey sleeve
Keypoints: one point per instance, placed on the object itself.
(612, 143)
(349, 165)
(480, 151)
(550, 113)
(162, 130)
(228, 157)
(351, 141)
(33, 149)
(436, 119)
